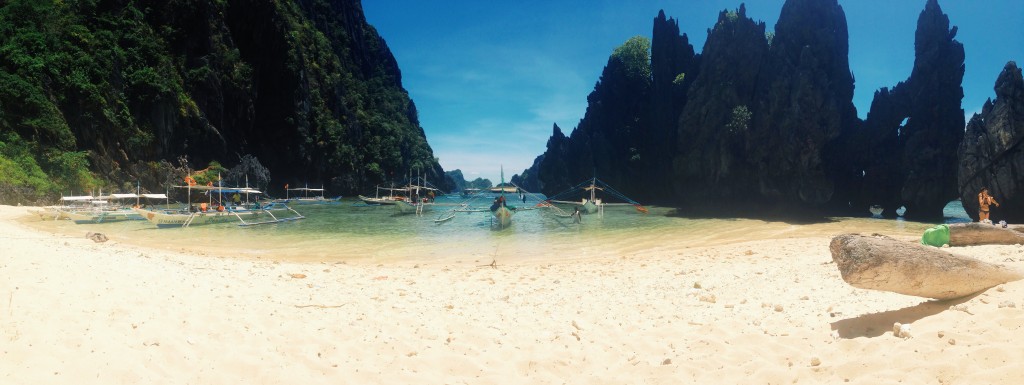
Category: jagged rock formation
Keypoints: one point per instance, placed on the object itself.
(674, 67)
(913, 130)
(307, 87)
(991, 154)
(529, 180)
(711, 145)
(632, 110)
(766, 122)
(760, 116)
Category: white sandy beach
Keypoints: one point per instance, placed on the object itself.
(769, 312)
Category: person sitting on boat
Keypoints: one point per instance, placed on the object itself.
(498, 202)
(202, 207)
(577, 216)
(984, 200)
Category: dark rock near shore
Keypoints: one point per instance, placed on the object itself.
(761, 115)
(991, 155)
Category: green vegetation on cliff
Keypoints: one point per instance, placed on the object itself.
(95, 93)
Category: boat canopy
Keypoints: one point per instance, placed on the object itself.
(120, 196)
(77, 198)
(223, 190)
(155, 196)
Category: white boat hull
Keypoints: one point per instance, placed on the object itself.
(378, 201)
(84, 217)
(503, 216)
(179, 219)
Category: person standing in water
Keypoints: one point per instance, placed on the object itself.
(984, 200)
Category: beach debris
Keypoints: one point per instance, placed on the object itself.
(778, 308)
(96, 237)
(901, 330)
(297, 275)
(815, 361)
(975, 233)
(882, 263)
(668, 361)
(952, 341)
(1009, 304)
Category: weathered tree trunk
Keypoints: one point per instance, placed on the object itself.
(881, 263)
(971, 234)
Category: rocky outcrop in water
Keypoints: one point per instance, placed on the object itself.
(991, 154)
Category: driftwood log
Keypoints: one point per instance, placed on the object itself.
(973, 234)
(881, 263)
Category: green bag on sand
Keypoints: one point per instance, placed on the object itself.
(936, 236)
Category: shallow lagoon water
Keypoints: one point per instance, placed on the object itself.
(350, 230)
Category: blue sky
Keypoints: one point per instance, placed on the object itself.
(490, 78)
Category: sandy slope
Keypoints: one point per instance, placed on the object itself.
(75, 311)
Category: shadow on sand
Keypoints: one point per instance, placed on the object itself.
(876, 324)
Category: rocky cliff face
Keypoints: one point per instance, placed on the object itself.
(711, 160)
(632, 110)
(765, 122)
(913, 131)
(307, 87)
(991, 155)
(761, 114)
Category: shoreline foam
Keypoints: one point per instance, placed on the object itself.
(773, 310)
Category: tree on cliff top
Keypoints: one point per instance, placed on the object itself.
(635, 55)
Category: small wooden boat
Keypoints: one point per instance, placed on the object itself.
(502, 215)
(590, 203)
(215, 211)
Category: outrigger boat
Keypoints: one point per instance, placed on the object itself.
(67, 203)
(104, 211)
(207, 213)
(316, 198)
(593, 204)
(501, 211)
(390, 199)
(415, 202)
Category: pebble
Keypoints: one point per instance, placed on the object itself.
(815, 361)
(901, 330)
(778, 308)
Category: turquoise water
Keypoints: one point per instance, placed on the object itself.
(350, 230)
